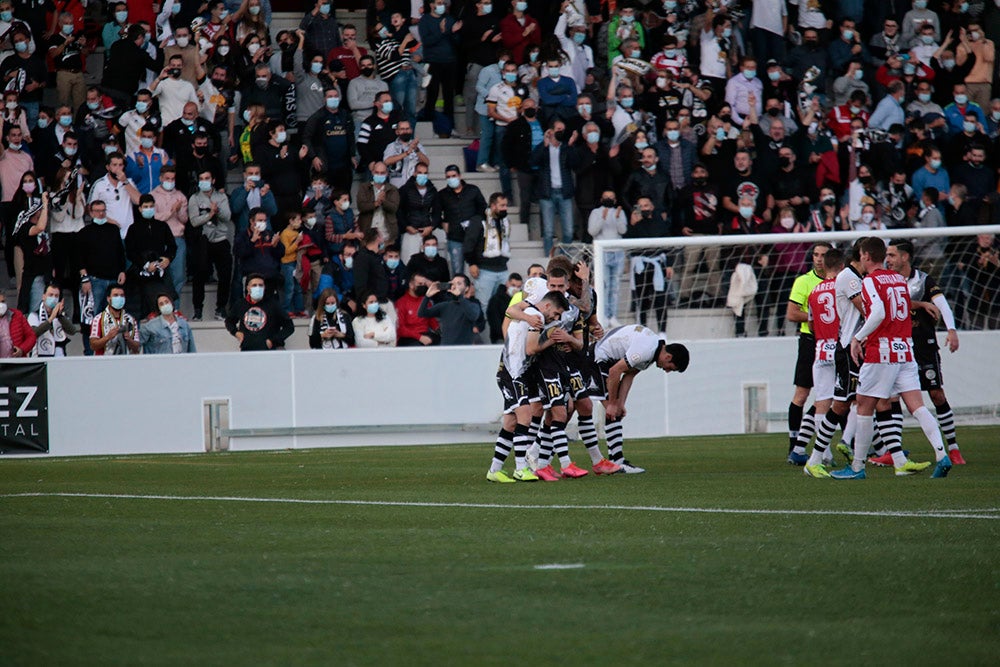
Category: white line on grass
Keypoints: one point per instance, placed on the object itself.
(560, 566)
(927, 514)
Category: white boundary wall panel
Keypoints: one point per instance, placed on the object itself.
(154, 404)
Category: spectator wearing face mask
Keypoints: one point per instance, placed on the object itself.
(182, 134)
(276, 94)
(258, 251)
(281, 167)
(185, 46)
(457, 314)
(31, 69)
(127, 62)
(113, 331)
(143, 167)
(378, 202)
(429, 262)
(330, 135)
(150, 248)
(211, 243)
(17, 338)
(330, 327)
(257, 321)
(363, 90)
(322, 33)
(166, 331)
(412, 330)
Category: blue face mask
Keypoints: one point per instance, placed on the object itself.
(121, 17)
(117, 302)
(510, 77)
(6, 16)
(332, 102)
(142, 106)
(51, 301)
(422, 179)
(147, 213)
(378, 179)
(325, 9)
(627, 102)
(579, 37)
(533, 56)
(727, 33)
(720, 134)
(65, 121)
(99, 221)
(315, 67)
(146, 142)
(204, 186)
(750, 74)
(431, 251)
(593, 137)
(67, 29)
(746, 211)
(639, 145)
(673, 135)
(372, 308)
(454, 182)
(43, 123)
(392, 264)
(257, 292)
(330, 308)
(387, 107)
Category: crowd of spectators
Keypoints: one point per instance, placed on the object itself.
(642, 120)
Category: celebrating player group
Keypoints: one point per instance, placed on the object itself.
(874, 321)
(555, 362)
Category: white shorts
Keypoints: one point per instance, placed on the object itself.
(824, 380)
(886, 380)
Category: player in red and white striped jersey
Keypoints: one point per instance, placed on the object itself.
(888, 364)
(825, 324)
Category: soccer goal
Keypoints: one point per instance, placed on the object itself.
(739, 286)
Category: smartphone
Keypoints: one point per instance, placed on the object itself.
(444, 287)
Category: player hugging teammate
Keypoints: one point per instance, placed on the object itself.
(564, 376)
(891, 300)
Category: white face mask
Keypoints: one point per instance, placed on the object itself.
(182, 42)
(167, 309)
(261, 226)
(3, 308)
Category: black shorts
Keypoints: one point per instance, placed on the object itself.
(929, 368)
(516, 391)
(804, 363)
(600, 391)
(593, 381)
(846, 388)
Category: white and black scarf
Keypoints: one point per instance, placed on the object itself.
(53, 342)
(339, 324)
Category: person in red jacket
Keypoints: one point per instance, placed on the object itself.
(839, 119)
(17, 338)
(411, 330)
(519, 31)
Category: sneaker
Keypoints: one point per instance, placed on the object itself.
(845, 450)
(885, 460)
(573, 471)
(525, 475)
(956, 457)
(606, 467)
(219, 315)
(425, 81)
(630, 469)
(796, 459)
(547, 474)
(943, 467)
(197, 315)
(848, 472)
(486, 169)
(499, 476)
(816, 470)
(912, 467)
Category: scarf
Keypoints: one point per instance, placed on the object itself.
(53, 342)
(655, 262)
(87, 307)
(338, 324)
(34, 205)
(126, 325)
(495, 237)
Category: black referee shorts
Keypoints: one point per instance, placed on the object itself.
(804, 362)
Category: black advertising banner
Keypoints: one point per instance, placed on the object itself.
(24, 408)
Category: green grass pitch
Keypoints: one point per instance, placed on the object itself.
(112, 580)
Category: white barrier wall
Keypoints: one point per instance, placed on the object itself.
(154, 404)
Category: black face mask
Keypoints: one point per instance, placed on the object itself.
(288, 46)
(219, 83)
(559, 135)
(700, 181)
(865, 180)
(367, 71)
(530, 113)
(501, 214)
(773, 113)
(608, 203)
(198, 150)
(420, 290)
(811, 44)
(784, 162)
(406, 136)
(726, 118)
(174, 72)
(647, 215)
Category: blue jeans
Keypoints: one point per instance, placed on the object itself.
(456, 256)
(178, 268)
(31, 113)
(487, 283)
(613, 260)
(548, 209)
(404, 88)
(487, 130)
(291, 300)
(499, 132)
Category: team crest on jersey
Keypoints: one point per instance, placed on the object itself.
(255, 319)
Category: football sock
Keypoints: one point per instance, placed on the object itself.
(929, 425)
(560, 443)
(613, 431)
(891, 437)
(521, 442)
(824, 434)
(545, 452)
(878, 443)
(588, 433)
(806, 431)
(852, 424)
(501, 450)
(536, 423)
(866, 429)
(946, 419)
(794, 422)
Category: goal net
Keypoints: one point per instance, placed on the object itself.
(739, 286)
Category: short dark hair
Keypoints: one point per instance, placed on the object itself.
(875, 247)
(904, 246)
(679, 355)
(146, 199)
(833, 259)
(557, 299)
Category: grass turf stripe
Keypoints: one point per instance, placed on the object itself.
(928, 514)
